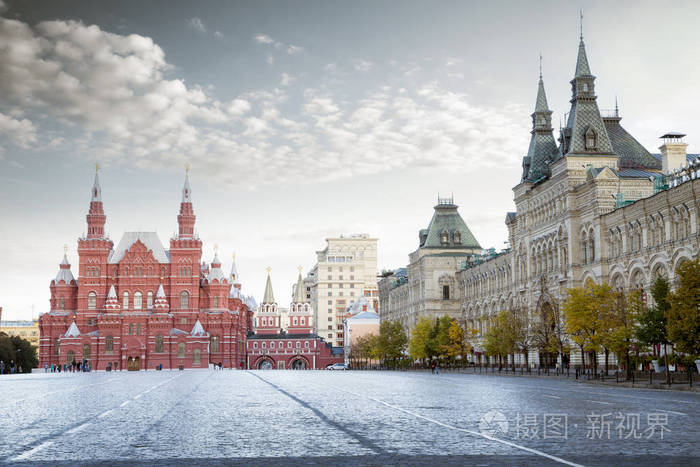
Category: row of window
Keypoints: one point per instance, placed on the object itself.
(138, 301)
(281, 345)
(109, 347)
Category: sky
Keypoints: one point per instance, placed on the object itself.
(301, 120)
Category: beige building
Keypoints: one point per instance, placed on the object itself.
(361, 320)
(28, 330)
(345, 270)
(428, 286)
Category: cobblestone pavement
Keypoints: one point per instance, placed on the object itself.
(343, 418)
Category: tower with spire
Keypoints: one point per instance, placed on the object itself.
(64, 288)
(300, 321)
(543, 149)
(267, 320)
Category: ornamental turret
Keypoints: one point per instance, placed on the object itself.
(267, 320)
(96, 217)
(186, 218)
(161, 304)
(300, 321)
(543, 149)
(64, 288)
(112, 302)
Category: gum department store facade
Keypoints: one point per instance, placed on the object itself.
(596, 205)
(139, 306)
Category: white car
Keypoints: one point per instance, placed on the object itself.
(337, 366)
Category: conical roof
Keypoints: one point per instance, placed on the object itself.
(96, 189)
(186, 190)
(299, 293)
(269, 297)
(198, 330)
(72, 331)
(112, 293)
(582, 68)
(160, 293)
(234, 270)
(541, 103)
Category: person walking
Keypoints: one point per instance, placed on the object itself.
(12, 367)
(2, 367)
(437, 368)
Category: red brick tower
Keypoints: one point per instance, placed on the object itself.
(300, 311)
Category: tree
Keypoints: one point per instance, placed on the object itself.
(652, 327)
(521, 333)
(683, 314)
(499, 339)
(392, 341)
(20, 350)
(364, 348)
(420, 346)
(587, 310)
(456, 345)
(623, 326)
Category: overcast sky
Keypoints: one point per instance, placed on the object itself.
(301, 120)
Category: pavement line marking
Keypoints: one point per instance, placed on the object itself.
(104, 414)
(553, 397)
(671, 411)
(599, 402)
(475, 433)
(138, 396)
(125, 403)
(32, 451)
(78, 428)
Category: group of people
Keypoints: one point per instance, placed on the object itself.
(72, 367)
(11, 368)
(435, 367)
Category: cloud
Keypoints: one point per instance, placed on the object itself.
(263, 39)
(363, 66)
(293, 49)
(197, 24)
(20, 132)
(117, 93)
(219, 35)
(290, 49)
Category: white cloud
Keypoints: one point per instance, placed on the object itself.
(363, 65)
(117, 92)
(219, 35)
(270, 60)
(197, 24)
(263, 39)
(293, 49)
(290, 49)
(287, 79)
(20, 132)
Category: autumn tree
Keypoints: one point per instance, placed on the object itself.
(652, 326)
(622, 322)
(683, 314)
(420, 346)
(392, 341)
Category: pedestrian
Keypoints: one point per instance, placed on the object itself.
(46, 367)
(437, 368)
(12, 367)
(2, 367)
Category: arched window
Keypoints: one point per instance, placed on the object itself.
(197, 357)
(585, 87)
(150, 270)
(109, 344)
(131, 329)
(591, 139)
(126, 271)
(214, 343)
(137, 301)
(181, 350)
(215, 302)
(458, 237)
(444, 237)
(70, 356)
(92, 301)
(86, 351)
(184, 300)
(56, 346)
(162, 271)
(591, 249)
(149, 300)
(62, 303)
(138, 329)
(159, 343)
(116, 273)
(125, 301)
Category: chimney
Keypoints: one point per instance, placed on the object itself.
(672, 152)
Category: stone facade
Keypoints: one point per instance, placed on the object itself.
(139, 306)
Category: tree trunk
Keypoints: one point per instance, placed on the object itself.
(583, 358)
(607, 355)
(629, 366)
(668, 372)
(594, 354)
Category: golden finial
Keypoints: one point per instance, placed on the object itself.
(233, 256)
(97, 166)
(216, 248)
(65, 248)
(268, 270)
(187, 167)
(299, 268)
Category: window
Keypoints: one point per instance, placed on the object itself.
(585, 87)
(445, 292)
(109, 344)
(126, 271)
(70, 356)
(444, 238)
(131, 329)
(197, 357)
(330, 318)
(184, 300)
(591, 139)
(296, 321)
(214, 343)
(56, 346)
(255, 345)
(458, 237)
(150, 270)
(149, 300)
(162, 271)
(298, 345)
(183, 321)
(289, 344)
(181, 350)
(216, 302)
(62, 303)
(86, 351)
(137, 300)
(138, 329)
(159, 343)
(92, 301)
(116, 273)
(125, 303)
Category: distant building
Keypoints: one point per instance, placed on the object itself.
(361, 320)
(345, 270)
(28, 330)
(296, 348)
(428, 286)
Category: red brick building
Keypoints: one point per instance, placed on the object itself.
(139, 306)
(298, 348)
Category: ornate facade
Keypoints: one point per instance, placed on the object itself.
(140, 306)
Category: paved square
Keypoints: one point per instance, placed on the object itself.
(200, 417)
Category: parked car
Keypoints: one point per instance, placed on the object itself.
(337, 366)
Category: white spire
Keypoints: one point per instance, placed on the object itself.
(198, 330)
(112, 293)
(161, 292)
(234, 270)
(186, 191)
(96, 189)
(72, 331)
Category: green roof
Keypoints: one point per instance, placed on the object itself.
(447, 219)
